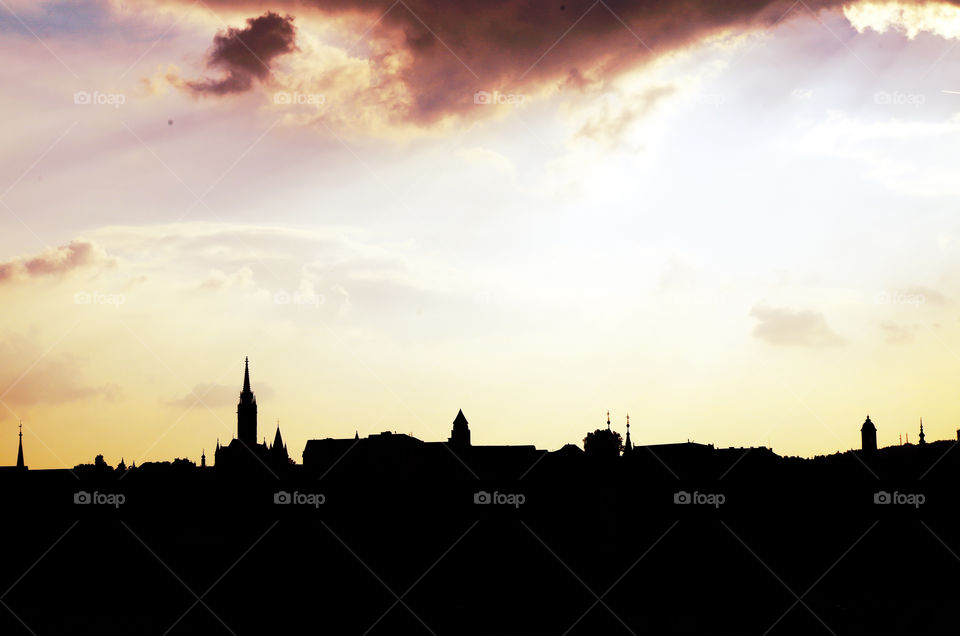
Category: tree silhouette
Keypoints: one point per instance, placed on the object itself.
(603, 443)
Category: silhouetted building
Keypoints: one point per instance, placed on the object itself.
(868, 436)
(923, 439)
(278, 451)
(243, 453)
(398, 453)
(460, 435)
(247, 410)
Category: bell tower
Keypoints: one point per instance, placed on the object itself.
(247, 410)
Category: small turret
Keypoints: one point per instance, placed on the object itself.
(460, 434)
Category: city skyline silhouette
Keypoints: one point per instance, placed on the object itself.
(460, 318)
(508, 499)
(246, 432)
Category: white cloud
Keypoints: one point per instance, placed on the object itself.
(908, 156)
(779, 326)
(486, 157)
(911, 19)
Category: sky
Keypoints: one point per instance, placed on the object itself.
(734, 221)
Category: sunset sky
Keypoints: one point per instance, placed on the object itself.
(736, 221)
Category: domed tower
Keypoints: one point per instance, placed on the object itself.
(247, 410)
(868, 436)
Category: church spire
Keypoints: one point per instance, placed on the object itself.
(608, 420)
(627, 445)
(277, 439)
(247, 410)
(20, 465)
(922, 436)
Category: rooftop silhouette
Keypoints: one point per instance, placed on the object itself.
(388, 533)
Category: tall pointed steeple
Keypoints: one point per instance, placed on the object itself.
(608, 420)
(20, 465)
(247, 410)
(922, 436)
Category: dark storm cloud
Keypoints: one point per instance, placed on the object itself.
(448, 50)
(244, 55)
(457, 48)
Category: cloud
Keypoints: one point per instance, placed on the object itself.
(895, 334)
(678, 273)
(429, 57)
(928, 295)
(43, 377)
(486, 157)
(616, 114)
(218, 395)
(910, 18)
(244, 55)
(904, 155)
(779, 326)
(77, 254)
(330, 268)
(218, 279)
